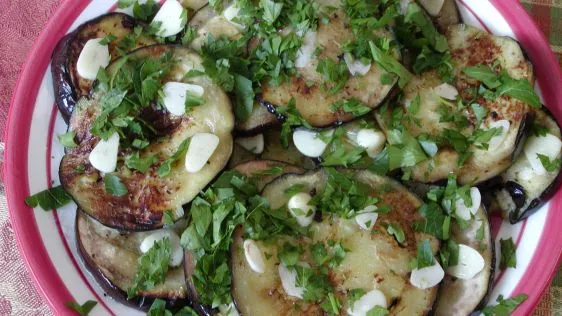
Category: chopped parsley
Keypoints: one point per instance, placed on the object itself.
(549, 165)
(49, 199)
(505, 306)
(352, 105)
(67, 140)
(166, 166)
(152, 267)
(158, 308)
(82, 309)
(503, 84)
(424, 257)
(335, 74)
(398, 233)
(508, 254)
(114, 186)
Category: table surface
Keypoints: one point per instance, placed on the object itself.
(20, 23)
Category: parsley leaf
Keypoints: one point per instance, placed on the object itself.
(424, 257)
(519, 89)
(114, 186)
(83, 309)
(397, 232)
(168, 218)
(353, 106)
(134, 161)
(378, 311)
(292, 118)
(152, 267)
(449, 254)
(335, 73)
(483, 73)
(480, 112)
(67, 140)
(390, 64)
(271, 10)
(158, 308)
(504, 307)
(192, 101)
(244, 97)
(166, 166)
(508, 254)
(549, 165)
(49, 199)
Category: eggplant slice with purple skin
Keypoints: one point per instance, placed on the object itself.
(388, 268)
(469, 47)
(464, 296)
(522, 191)
(69, 87)
(313, 101)
(111, 257)
(150, 195)
(460, 296)
(256, 170)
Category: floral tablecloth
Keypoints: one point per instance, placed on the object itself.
(20, 23)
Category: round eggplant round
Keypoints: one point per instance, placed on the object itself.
(148, 194)
(469, 47)
(313, 101)
(68, 85)
(522, 191)
(111, 257)
(388, 269)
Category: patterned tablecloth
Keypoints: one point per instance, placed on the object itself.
(20, 23)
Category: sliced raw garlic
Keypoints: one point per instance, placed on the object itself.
(231, 13)
(92, 57)
(309, 143)
(254, 256)
(304, 54)
(170, 19)
(299, 208)
(289, 281)
(201, 148)
(367, 217)
(470, 263)
(253, 144)
(373, 141)
(465, 212)
(104, 156)
(446, 91)
(367, 302)
(548, 145)
(176, 255)
(497, 140)
(355, 66)
(427, 277)
(175, 95)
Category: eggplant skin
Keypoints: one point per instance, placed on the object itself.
(519, 198)
(252, 168)
(149, 195)
(69, 87)
(87, 238)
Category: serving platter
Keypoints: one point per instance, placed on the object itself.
(47, 238)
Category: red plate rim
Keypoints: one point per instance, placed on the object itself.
(21, 109)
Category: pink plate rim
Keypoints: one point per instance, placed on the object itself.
(544, 262)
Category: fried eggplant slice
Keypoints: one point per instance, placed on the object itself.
(150, 195)
(436, 116)
(111, 257)
(523, 190)
(313, 101)
(69, 87)
(459, 296)
(387, 269)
